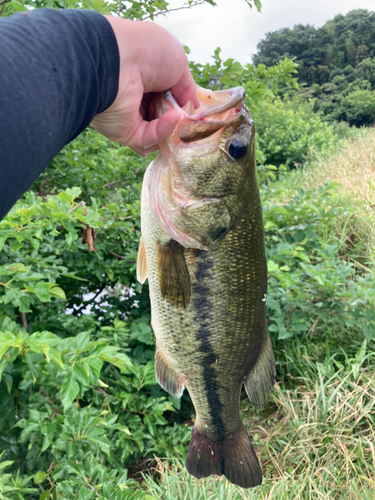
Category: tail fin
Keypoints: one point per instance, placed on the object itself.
(234, 457)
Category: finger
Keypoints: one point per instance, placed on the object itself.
(149, 134)
(185, 89)
(142, 151)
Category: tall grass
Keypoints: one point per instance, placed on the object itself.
(352, 166)
(318, 442)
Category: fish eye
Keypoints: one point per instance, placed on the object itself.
(237, 149)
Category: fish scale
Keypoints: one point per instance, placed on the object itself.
(208, 283)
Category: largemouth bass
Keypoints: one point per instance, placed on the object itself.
(202, 249)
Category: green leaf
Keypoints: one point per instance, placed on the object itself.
(3, 239)
(69, 389)
(46, 495)
(24, 303)
(103, 443)
(82, 341)
(97, 5)
(57, 292)
(40, 477)
(142, 332)
(10, 269)
(41, 290)
(74, 277)
(96, 365)
(111, 354)
(369, 332)
(55, 357)
(6, 340)
(5, 464)
(258, 5)
(81, 375)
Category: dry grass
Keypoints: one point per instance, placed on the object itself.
(323, 446)
(353, 166)
(318, 443)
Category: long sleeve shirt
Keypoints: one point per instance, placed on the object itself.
(58, 69)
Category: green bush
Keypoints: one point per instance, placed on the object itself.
(289, 137)
(78, 399)
(312, 284)
(359, 107)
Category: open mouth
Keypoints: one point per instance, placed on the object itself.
(218, 110)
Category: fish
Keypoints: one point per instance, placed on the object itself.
(202, 250)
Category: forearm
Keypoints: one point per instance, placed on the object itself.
(58, 69)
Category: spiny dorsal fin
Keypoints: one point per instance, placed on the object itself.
(260, 380)
(174, 279)
(142, 273)
(167, 378)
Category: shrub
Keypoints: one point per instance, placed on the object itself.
(290, 138)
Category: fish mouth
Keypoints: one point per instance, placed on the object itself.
(195, 127)
(217, 111)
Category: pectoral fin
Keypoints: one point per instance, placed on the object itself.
(260, 380)
(142, 273)
(174, 279)
(167, 378)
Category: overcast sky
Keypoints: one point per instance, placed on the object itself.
(237, 29)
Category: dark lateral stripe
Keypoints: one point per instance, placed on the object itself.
(203, 308)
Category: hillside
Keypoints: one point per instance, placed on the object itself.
(336, 64)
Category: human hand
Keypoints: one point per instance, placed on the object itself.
(151, 60)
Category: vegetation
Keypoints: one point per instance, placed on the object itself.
(336, 64)
(81, 414)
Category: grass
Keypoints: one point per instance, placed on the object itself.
(314, 442)
(352, 166)
(315, 437)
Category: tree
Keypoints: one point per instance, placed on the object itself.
(331, 58)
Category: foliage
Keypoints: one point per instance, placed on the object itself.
(310, 281)
(260, 83)
(288, 138)
(344, 40)
(130, 9)
(76, 352)
(336, 61)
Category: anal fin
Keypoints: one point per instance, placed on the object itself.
(260, 380)
(174, 279)
(142, 272)
(166, 377)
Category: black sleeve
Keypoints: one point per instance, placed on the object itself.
(58, 69)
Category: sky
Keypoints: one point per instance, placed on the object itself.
(237, 29)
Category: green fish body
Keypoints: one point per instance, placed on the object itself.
(202, 249)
